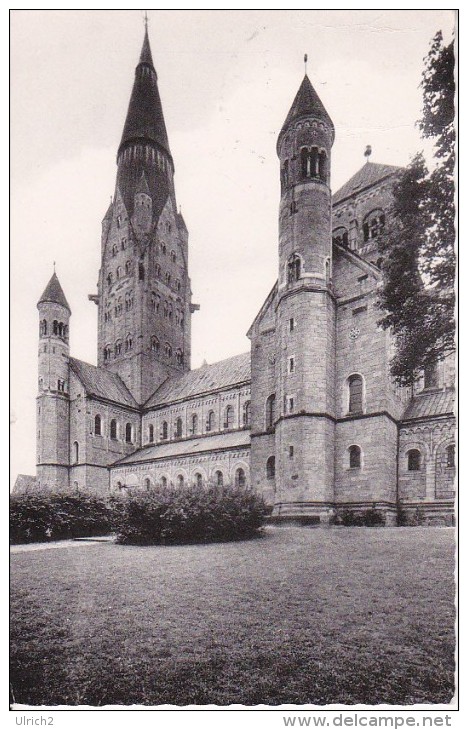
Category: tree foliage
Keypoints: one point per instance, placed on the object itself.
(419, 251)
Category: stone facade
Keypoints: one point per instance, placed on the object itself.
(310, 418)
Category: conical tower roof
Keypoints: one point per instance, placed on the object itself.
(54, 293)
(306, 103)
(145, 119)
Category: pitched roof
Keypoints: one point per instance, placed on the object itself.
(227, 440)
(202, 380)
(54, 293)
(369, 174)
(145, 119)
(427, 405)
(102, 383)
(306, 104)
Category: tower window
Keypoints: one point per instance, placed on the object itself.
(292, 324)
(128, 301)
(61, 386)
(270, 412)
(141, 272)
(128, 433)
(113, 429)
(450, 455)
(292, 365)
(43, 327)
(97, 426)
(157, 270)
(355, 389)
(167, 350)
(118, 349)
(179, 357)
(293, 207)
(173, 257)
(291, 405)
(119, 221)
(128, 268)
(128, 343)
(270, 467)
(354, 457)
(123, 244)
(229, 417)
(109, 279)
(155, 344)
(291, 452)
(107, 353)
(76, 452)
(414, 460)
(168, 278)
(294, 268)
(163, 249)
(115, 249)
(431, 379)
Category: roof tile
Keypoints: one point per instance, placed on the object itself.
(425, 405)
(227, 440)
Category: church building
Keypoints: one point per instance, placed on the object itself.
(310, 417)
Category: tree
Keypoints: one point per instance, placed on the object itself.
(418, 293)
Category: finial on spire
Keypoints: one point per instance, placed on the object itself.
(54, 267)
(305, 63)
(368, 152)
(145, 20)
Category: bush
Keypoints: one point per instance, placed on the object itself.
(186, 515)
(369, 518)
(42, 517)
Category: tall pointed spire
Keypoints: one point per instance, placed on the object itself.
(307, 103)
(54, 293)
(145, 119)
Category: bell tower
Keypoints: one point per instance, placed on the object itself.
(52, 410)
(144, 294)
(305, 316)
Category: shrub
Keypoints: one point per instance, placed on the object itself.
(368, 518)
(187, 515)
(42, 517)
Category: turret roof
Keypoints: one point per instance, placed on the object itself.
(145, 119)
(54, 293)
(306, 103)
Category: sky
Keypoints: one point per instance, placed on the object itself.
(227, 79)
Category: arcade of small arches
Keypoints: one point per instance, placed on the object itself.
(372, 227)
(195, 423)
(126, 346)
(197, 477)
(313, 162)
(59, 329)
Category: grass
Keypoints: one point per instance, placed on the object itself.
(301, 616)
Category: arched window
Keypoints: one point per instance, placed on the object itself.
(229, 417)
(118, 273)
(270, 412)
(178, 429)
(118, 348)
(355, 394)
(180, 481)
(164, 430)
(374, 224)
(240, 477)
(164, 482)
(414, 460)
(322, 160)
(113, 429)
(128, 268)
(246, 414)
(340, 236)
(169, 312)
(165, 309)
(76, 452)
(107, 353)
(431, 378)
(270, 467)
(210, 421)
(151, 433)
(128, 433)
(128, 301)
(219, 478)
(141, 272)
(157, 270)
(97, 426)
(114, 249)
(354, 457)
(147, 484)
(305, 162)
(55, 327)
(167, 350)
(163, 249)
(294, 268)
(128, 343)
(155, 344)
(450, 456)
(173, 257)
(43, 327)
(198, 480)
(123, 244)
(194, 423)
(179, 357)
(109, 279)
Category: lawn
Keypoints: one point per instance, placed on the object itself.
(344, 615)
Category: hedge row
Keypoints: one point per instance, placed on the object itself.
(189, 514)
(42, 517)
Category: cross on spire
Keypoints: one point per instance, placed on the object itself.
(305, 63)
(145, 20)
